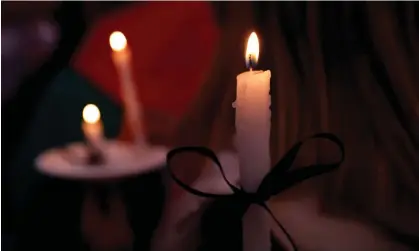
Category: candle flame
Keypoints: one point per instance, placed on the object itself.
(252, 51)
(117, 41)
(91, 114)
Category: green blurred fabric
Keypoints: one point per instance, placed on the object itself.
(57, 122)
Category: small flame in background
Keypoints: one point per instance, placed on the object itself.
(252, 51)
(91, 114)
(117, 41)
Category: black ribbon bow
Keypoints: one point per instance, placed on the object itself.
(277, 180)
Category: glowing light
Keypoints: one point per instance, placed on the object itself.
(117, 41)
(91, 114)
(252, 50)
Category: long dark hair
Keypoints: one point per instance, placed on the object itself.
(346, 68)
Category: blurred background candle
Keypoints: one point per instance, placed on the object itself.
(92, 125)
(253, 125)
(121, 57)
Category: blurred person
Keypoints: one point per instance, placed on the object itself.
(160, 66)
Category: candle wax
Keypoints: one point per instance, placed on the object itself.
(132, 106)
(93, 133)
(253, 123)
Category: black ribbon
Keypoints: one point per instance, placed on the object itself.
(277, 180)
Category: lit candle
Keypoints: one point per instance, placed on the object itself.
(121, 57)
(92, 126)
(253, 124)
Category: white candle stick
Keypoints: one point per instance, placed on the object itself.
(121, 57)
(92, 126)
(253, 123)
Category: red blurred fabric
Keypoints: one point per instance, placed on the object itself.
(172, 44)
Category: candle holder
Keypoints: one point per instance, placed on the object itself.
(116, 159)
(101, 172)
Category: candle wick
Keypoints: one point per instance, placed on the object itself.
(250, 62)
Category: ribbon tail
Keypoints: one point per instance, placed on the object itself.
(283, 229)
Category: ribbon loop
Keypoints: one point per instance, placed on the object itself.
(206, 152)
(277, 180)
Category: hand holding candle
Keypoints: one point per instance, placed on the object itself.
(121, 57)
(253, 123)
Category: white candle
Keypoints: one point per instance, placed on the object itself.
(253, 123)
(92, 126)
(121, 57)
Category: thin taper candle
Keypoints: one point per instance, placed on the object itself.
(121, 57)
(253, 123)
